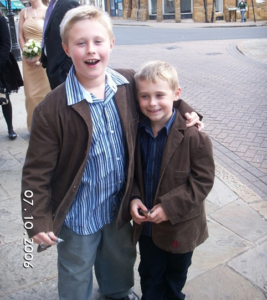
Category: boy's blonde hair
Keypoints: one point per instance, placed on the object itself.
(80, 13)
(153, 70)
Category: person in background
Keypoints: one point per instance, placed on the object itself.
(10, 77)
(174, 172)
(80, 162)
(243, 7)
(54, 59)
(36, 84)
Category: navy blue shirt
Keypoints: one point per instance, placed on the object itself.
(152, 149)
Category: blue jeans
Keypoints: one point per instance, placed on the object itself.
(109, 250)
(243, 19)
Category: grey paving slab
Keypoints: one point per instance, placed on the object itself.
(8, 161)
(241, 219)
(210, 207)
(221, 246)
(11, 182)
(46, 289)
(15, 277)
(11, 226)
(221, 194)
(222, 283)
(253, 265)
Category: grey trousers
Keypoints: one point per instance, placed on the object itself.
(109, 250)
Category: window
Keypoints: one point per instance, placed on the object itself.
(153, 7)
(168, 7)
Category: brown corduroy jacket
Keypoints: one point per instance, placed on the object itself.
(186, 178)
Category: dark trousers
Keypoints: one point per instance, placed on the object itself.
(163, 274)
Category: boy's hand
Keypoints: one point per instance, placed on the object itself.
(157, 214)
(135, 206)
(45, 238)
(193, 119)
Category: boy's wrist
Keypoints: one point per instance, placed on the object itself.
(135, 197)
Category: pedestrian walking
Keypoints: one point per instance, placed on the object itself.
(243, 7)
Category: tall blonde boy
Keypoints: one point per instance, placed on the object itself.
(174, 174)
(80, 162)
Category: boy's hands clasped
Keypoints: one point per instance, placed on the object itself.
(141, 214)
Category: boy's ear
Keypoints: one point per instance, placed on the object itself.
(177, 94)
(65, 48)
(112, 42)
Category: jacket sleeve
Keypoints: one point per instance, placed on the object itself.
(183, 108)
(182, 203)
(40, 162)
(5, 44)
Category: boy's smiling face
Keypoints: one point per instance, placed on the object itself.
(156, 100)
(89, 46)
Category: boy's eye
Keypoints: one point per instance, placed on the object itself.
(98, 41)
(160, 95)
(81, 43)
(143, 96)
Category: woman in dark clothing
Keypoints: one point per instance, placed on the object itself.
(10, 77)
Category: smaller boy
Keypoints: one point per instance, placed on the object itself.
(174, 173)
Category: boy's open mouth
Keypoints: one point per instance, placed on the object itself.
(92, 62)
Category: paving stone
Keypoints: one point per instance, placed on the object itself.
(253, 265)
(43, 290)
(239, 218)
(221, 283)
(221, 194)
(16, 277)
(221, 246)
(11, 225)
(11, 182)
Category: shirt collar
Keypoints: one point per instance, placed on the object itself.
(77, 93)
(145, 123)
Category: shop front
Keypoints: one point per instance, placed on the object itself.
(15, 5)
(196, 10)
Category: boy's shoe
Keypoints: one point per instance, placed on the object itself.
(131, 296)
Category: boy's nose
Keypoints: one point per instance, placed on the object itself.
(152, 101)
(91, 48)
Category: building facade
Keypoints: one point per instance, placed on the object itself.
(197, 10)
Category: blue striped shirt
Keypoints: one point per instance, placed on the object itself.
(152, 149)
(103, 183)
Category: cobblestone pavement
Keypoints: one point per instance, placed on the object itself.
(229, 89)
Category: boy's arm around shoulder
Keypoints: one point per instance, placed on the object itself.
(181, 202)
(184, 108)
(40, 161)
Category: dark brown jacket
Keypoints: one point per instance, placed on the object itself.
(58, 149)
(186, 178)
